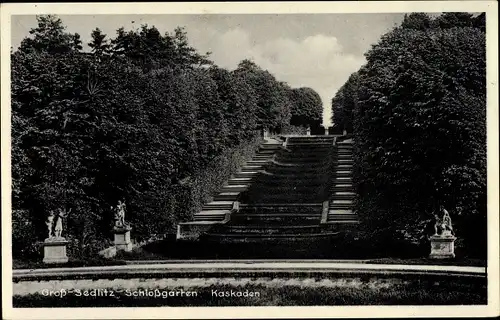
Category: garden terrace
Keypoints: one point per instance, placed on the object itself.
(286, 200)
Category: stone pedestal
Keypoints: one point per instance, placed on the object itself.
(326, 131)
(54, 250)
(308, 131)
(122, 238)
(443, 246)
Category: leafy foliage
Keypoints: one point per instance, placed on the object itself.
(273, 105)
(418, 110)
(142, 117)
(307, 107)
(344, 103)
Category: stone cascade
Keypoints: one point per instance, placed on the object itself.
(286, 199)
(223, 202)
(340, 211)
(217, 211)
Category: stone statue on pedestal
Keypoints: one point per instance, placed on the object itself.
(55, 244)
(442, 242)
(121, 229)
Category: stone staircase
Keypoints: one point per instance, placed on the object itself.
(286, 200)
(340, 211)
(217, 211)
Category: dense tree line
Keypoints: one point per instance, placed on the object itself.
(417, 110)
(141, 117)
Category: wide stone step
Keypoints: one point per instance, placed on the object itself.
(257, 162)
(340, 201)
(310, 148)
(272, 238)
(251, 168)
(218, 205)
(345, 156)
(342, 212)
(227, 196)
(262, 158)
(301, 160)
(250, 174)
(345, 215)
(311, 140)
(266, 229)
(280, 188)
(344, 161)
(340, 206)
(342, 180)
(266, 151)
(343, 196)
(343, 173)
(281, 198)
(239, 181)
(345, 149)
(344, 166)
(275, 173)
(342, 217)
(234, 188)
(288, 207)
(347, 153)
(275, 219)
(210, 215)
(298, 165)
(296, 145)
(342, 188)
(270, 146)
(302, 171)
(343, 222)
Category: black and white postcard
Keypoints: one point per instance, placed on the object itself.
(243, 160)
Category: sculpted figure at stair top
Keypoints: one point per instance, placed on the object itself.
(443, 226)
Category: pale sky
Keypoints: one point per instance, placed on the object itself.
(313, 50)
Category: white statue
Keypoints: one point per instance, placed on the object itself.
(50, 223)
(236, 206)
(59, 222)
(444, 224)
(120, 215)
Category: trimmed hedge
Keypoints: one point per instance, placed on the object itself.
(142, 118)
(419, 117)
(208, 182)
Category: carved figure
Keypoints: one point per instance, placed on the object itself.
(59, 222)
(50, 223)
(120, 214)
(443, 224)
(446, 222)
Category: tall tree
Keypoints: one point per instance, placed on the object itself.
(307, 107)
(99, 44)
(419, 128)
(50, 36)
